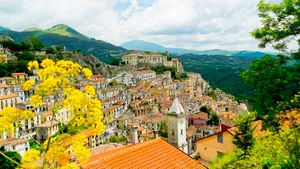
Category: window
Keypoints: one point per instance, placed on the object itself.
(220, 138)
(181, 131)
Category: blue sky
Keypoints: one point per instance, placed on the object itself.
(191, 24)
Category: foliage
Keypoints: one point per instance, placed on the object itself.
(197, 157)
(25, 55)
(162, 69)
(50, 50)
(273, 79)
(214, 119)
(169, 58)
(243, 137)
(123, 62)
(272, 82)
(15, 46)
(56, 78)
(220, 71)
(6, 163)
(115, 62)
(117, 139)
(163, 129)
(12, 67)
(279, 25)
(35, 43)
(210, 92)
(183, 75)
(206, 109)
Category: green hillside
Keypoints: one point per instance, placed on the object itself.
(220, 71)
(71, 39)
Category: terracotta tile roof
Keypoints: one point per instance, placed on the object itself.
(8, 96)
(155, 153)
(2, 85)
(16, 74)
(48, 124)
(12, 141)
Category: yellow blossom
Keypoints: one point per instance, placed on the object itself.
(70, 166)
(87, 72)
(29, 159)
(47, 62)
(90, 90)
(28, 85)
(33, 65)
(36, 100)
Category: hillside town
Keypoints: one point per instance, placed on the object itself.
(140, 107)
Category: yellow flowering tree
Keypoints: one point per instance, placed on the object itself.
(57, 88)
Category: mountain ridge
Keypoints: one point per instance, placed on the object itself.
(70, 38)
(154, 47)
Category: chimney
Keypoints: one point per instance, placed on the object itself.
(135, 139)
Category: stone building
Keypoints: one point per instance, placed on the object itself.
(148, 60)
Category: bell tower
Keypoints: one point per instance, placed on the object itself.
(177, 126)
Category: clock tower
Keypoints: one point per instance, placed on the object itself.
(177, 126)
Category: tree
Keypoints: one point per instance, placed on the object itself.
(214, 119)
(50, 50)
(243, 137)
(115, 62)
(280, 25)
(57, 78)
(206, 109)
(35, 43)
(183, 75)
(8, 164)
(163, 129)
(273, 78)
(59, 48)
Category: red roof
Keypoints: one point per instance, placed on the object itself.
(155, 153)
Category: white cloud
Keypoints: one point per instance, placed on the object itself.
(195, 24)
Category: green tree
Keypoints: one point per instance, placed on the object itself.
(50, 50)
(183, 75)
(59, 48)
(8, 164)
(163, 129)
(115, 62)
(243, 137)
(280, 25)
(206, 109)
(214, 119)
(35, 43)
(274, 79)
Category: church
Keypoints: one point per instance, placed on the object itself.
(177, 126)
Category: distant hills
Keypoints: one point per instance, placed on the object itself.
(3, 28)
(71, 39)
(153, 47)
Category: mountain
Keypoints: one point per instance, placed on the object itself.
(251, 54)
(71, 39)
(153, 47)
(3, 28)
(216, 52)
(143, 46)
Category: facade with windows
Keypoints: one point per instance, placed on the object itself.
(15, 144)
(214, 145)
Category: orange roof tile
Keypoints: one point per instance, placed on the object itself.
(8, 96)
(155, 153)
